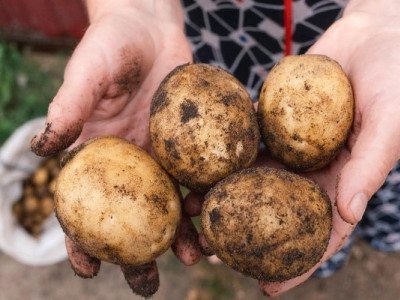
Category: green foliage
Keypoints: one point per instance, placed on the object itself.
(25, 89)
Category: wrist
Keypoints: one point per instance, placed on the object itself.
(381, 7)
(97, 9)
(366, 20)
(167, 9)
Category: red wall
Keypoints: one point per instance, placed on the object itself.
(52, 18)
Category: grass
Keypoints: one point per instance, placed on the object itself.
(26, 88)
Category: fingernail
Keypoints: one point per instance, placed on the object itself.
(358, 205)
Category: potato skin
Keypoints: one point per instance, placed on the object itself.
(203, 125)
(115, 202)
(266, 223)
(305, 111)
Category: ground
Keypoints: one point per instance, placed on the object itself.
(368, 275)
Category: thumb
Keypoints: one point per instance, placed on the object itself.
(72, 105)
(374, 151)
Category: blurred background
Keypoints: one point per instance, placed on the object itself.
(36, 40)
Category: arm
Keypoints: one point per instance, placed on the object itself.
(369, 55)
(169, 10)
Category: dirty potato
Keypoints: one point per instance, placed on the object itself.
(36, 202)
(115, 202)
(266, 223)
(305, 111)
(203, 126)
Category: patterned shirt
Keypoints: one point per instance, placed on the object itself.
(247, 37)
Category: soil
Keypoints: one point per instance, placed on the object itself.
(368, 274)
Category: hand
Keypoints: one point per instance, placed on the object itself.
(366, 45)
(108, 86)
(111, 78)
(341, 229)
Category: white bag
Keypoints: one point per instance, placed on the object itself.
(17, 162)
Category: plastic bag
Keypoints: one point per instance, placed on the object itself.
(17, 162)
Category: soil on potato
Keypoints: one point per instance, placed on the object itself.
(368, 275)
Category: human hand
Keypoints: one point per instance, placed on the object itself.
(366, 45)
(112, 76)
(365, 42)
(108, 86)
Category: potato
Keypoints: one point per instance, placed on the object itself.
(203, 125)
(305, 111)
(47, 206)
(116, 203)
(41, 176)
(31, 204)
(266, 223)
(36, 203)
